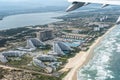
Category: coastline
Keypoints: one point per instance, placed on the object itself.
(77, 62)
(47, 18)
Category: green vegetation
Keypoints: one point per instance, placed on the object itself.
(64, 74)
(36, 68)
(2, 73)
(19, 63)
(68, 31)
(11, 32)
(42, 77)
(45, 49)
(84, 32)
(76, 50)
(65, 58)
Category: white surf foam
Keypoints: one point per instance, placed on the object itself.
(97, 68)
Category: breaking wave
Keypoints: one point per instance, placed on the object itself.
(102, 65)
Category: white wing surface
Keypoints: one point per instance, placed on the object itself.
(79, 3)
(112, 2)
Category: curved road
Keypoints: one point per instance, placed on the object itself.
(31, 71)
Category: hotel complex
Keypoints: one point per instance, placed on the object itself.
(60, 48)
(45, 35)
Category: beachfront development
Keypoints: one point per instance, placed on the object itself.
(56, 50)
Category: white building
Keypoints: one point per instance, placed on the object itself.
(26, 49)
(3, 59)
(39, 63)
(96, 28)
(34, 42)
(48, 58)
(13, 53)
(47, 62)
(60, 48)
(52, 53)
(118, 21)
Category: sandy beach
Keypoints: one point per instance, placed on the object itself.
(1, 49)
(75, 63)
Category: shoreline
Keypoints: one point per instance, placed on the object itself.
(76, 63)
(53, 19)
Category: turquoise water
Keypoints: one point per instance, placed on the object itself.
(105, 65)
(22, 20)
(75, 43)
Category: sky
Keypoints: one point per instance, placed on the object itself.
(6, 5)
(17, 1)
(34, 2)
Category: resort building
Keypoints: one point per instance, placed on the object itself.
(3, 59)
(46, 58)
(54, 65)
(51, 64)
(39, 63)
(13, 53)
(96, 29)
(60, 48)
(104, 18)
(49, 69)
(52, 53)
(73, 36)
(34, 42)
(45, 35)
(26, 49)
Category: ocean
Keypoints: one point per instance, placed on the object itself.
(105, 64)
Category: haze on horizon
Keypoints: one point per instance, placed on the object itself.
(31, 3)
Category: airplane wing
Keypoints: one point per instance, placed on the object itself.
(79, 3)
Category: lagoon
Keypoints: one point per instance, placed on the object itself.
(30, 19)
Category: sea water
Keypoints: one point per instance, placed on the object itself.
(105, 64)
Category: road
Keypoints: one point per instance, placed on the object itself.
(25, 70)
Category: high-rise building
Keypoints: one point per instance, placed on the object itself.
(45, 35)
